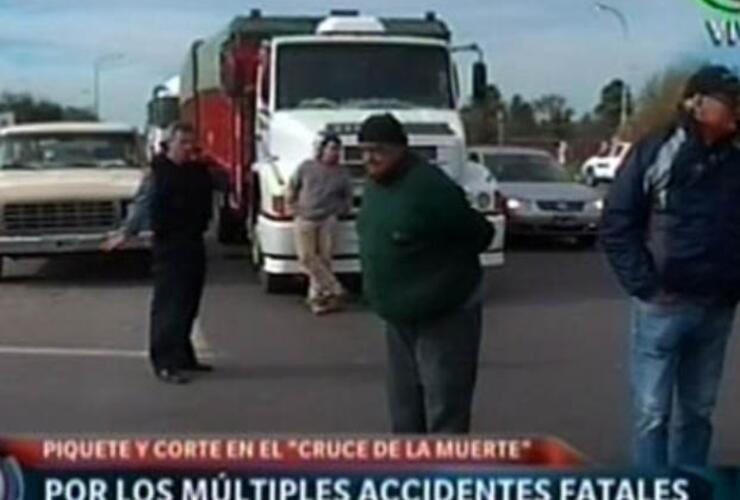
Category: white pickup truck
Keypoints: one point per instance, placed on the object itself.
(65, 186)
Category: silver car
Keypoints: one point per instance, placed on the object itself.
(539, 196)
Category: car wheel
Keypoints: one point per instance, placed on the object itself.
(2, 261)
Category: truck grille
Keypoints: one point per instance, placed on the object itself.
(59, 217)
(352, 157)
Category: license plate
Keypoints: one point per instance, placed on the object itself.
(565, 221)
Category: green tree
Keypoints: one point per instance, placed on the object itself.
(609, 108)
(481, 118)
(554, 115)
(521, 120)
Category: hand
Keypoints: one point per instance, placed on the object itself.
(114, 242)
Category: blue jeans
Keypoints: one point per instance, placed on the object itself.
(676, 349)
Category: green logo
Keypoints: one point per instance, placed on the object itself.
(731, 7)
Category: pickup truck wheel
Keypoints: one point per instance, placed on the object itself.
(231, 227)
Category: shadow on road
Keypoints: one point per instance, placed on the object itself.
(119, 270)
(541, 271)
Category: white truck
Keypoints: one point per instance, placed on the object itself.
(603, 166)
(65, 186)
(261, 91)
(162, 110)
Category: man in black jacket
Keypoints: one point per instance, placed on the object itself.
(176, 199)
(671, 231)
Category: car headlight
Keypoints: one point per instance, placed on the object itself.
(598, 204)
(483, 201)
(517, 204)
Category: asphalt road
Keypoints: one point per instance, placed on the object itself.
(553, 360)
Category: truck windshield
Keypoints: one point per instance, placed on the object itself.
(366, 76)
(59, 151)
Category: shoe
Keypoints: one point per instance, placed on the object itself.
(319, 307)
(336, 303)
(171, 376)
(198, 367)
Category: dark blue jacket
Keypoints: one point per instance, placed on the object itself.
(672, 219)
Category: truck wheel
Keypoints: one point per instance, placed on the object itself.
(255, 252)
(275, 283)
(231, 227)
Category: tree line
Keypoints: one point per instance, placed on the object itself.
(27, 108)
(548, 120)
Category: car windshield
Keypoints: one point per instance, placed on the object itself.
(59, 151)
(363, 75)
(524, 168)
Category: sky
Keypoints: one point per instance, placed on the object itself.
(532, 47)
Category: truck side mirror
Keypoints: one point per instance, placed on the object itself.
(480, 81)
(163, 111)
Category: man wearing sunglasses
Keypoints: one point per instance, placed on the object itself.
(671, 231)
(420, 242)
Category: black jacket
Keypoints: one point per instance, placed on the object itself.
(181, 200)
(672, 219)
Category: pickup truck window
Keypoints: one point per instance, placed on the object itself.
(363, 76)
(60, 151)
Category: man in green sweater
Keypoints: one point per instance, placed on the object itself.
(420, 242)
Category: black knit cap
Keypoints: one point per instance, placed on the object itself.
(715, 81)
(383, 129)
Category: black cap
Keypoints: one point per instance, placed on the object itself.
(715, 81)
(383, 129)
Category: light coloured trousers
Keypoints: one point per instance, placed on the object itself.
(313, 241)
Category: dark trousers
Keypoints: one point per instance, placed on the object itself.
(179, 276)
(432, 372)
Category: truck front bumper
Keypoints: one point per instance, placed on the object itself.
(279, 253)
(60, 244)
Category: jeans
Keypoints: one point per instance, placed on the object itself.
(432, 372)
(677, 353)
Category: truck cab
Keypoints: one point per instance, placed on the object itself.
(65, 186)
(277, 83)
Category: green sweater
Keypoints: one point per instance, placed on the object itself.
(420, 242)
